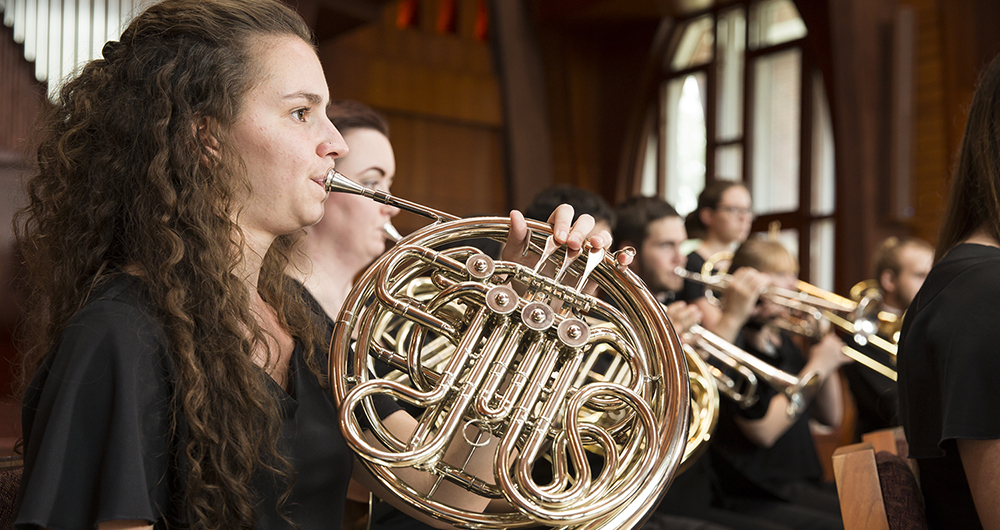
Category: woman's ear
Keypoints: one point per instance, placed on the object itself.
(203, 126)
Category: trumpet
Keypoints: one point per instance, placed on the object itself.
(798, 390)
(860, 320)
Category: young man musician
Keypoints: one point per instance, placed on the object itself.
(901, 265)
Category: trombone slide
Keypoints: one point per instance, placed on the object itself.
(867, 361)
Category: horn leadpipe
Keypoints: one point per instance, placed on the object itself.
(336, 181)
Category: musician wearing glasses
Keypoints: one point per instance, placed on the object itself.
(901, 265)
(948, 359)
(763, 454)
(721, 222)
(176, 378)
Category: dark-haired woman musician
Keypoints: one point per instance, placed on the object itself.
(176, 376)
(948, 362)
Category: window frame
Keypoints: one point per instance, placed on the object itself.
(803, 219)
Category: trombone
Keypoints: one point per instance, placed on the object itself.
(798, 391)
(889, 323)
(861, 320)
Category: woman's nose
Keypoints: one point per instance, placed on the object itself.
(391, 211)
(334, 145)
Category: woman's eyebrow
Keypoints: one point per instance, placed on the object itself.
(314, 99)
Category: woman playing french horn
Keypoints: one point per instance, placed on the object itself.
(175, 376)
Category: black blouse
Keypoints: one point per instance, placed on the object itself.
(948, 368)
(98, 442)
(691, 290)
(746, 469)
(875, 395)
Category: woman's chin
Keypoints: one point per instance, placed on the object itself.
(376, 250)
(315, 218)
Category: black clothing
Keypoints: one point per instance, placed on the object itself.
(782, 483)
(948, 366)
(98, 441)
(875, 395)
(691, 290)
(759, 471)
(810, 507)
(695, 492)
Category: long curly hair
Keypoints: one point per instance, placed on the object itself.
(124, 183)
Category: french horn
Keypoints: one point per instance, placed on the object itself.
(580, 403)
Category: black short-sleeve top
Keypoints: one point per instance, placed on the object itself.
(691, 290)
(746, 469)
(948, 367)
(875, 396)
(98, 440)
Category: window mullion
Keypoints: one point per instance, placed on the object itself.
(805, 166)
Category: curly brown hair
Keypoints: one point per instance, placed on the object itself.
(125, 184)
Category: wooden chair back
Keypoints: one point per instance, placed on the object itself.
(877, 486)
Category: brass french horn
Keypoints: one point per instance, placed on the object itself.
(515, 370)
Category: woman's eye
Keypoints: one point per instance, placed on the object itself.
(299, 114)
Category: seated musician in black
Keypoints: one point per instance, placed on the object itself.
(901, 265)
(764, 456)
(720, 223)
(655, 229)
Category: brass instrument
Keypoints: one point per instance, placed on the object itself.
(798, 391)
(390, 232)
(717, 262)
(704, 407)
(889, 323)
(512, 345)
(704, 378)
(856, 318)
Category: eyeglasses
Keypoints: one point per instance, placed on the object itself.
(735, 210)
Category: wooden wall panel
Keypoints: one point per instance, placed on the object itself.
(443, 101)
(860, 82)
(447, 166)
(21, 97)
(595, 72)
(932, 138)
(527, 131)
(956, 40)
